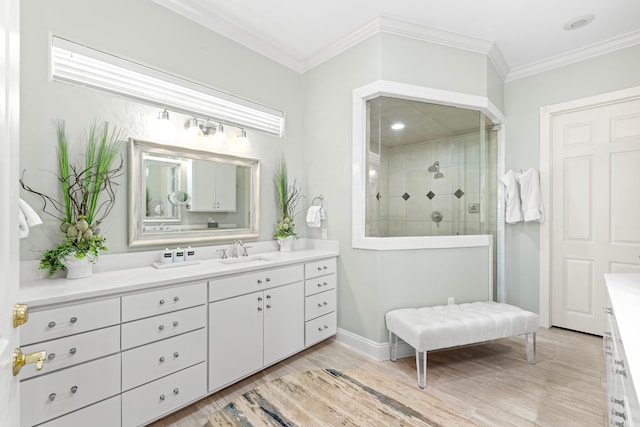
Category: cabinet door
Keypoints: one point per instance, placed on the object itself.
(226, 187)
(235, 338)
(283, 322)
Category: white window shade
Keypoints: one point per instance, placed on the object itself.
(80, 65)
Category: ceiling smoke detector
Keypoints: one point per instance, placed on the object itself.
(578, 22)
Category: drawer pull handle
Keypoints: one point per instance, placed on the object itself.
(161, 360)
(319, 285)
(618, 414)
(176, 391)
(324, 267)
(259, 282)
(621, 372)
(72, 350)
(161, 327)
(259, 298)
(268, 280)
(326, 327)
(608, 310)
(259, 308)
(619, 402)
(319, 329)
(51, 356)
(324, 303)
(74, 319)
(176, 354)
(52, 397)
(74, 389)
(319, 268)
(324, 283)
(52, 324)
(268, 296)
(319, 305)
(176, 299)
(618, 362)
(268, 306)
(162, 397)
(161, 302)
(175, 323)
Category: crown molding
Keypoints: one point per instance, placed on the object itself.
(577, 55)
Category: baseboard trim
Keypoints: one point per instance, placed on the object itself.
(378, 351)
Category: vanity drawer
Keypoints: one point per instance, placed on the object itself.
(152, 361)
(319, 284)
(167, 325)
(162, 301)
(246, 283)
(69, 351)
(319, 329)
(68, 320)
(49, 396)
(319, 304)
(153, 400)
(102, 414)
(320, 268)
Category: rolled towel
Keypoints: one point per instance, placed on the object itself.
(27, 217)
(313, 216)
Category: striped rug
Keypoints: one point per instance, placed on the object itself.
(332, 398)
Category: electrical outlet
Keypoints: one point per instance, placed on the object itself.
(324, 234)
(474, 207)
(450, 301)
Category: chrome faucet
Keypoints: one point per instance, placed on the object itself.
(235, 253)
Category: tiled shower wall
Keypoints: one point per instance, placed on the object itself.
(402, 194)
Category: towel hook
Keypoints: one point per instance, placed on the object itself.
(320, 199)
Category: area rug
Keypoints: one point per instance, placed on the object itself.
(336, 398)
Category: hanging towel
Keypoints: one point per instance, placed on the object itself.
(532, 208)
(313, 216)
(513, 208)
(27, 217)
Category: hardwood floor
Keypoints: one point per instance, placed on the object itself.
(491, 383)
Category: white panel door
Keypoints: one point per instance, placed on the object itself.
(283, 322)
(595, 205)
(9, 261)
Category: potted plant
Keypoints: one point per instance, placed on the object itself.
(288, 198)
(88, 195)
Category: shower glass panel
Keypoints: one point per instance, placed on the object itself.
(431, 170)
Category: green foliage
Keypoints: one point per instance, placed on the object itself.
(52, 259)
(288, 198)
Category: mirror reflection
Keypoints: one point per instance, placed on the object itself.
(183, 195)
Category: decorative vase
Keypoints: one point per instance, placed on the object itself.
(78, 268)
(286, 244)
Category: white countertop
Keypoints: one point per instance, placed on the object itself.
(624, 294)
(44, 292)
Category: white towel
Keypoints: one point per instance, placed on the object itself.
(532, 207)
(513, 207)
(314, 216)
(27, 217)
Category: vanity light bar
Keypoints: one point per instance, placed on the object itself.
(83, 66)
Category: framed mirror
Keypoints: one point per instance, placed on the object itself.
(179, 195)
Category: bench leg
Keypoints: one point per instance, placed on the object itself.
(531, 347)
(393, 346)
(421, 368)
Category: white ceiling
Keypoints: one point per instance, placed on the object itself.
(521, 37)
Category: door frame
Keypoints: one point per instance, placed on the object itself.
(546, 160)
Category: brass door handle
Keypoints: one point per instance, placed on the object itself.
(20, 315)
(20, 359)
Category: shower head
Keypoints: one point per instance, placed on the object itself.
(435, 167)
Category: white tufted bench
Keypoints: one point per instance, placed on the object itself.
(444, 326)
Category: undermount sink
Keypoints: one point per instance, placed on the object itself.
(252, 259)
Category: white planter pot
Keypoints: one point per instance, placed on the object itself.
(286, 244)
(78, 268)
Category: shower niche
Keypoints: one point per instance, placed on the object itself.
(431, 170)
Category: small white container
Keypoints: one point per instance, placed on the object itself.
(167, 256)
(178, 255)
(190, 254)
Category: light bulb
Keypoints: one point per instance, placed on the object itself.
(220, 137)
(193, 130)
(242, 144)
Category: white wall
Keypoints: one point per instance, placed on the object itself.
(151, 35)
(523, 99)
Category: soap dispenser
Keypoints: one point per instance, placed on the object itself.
(178, 255)
(167, 256)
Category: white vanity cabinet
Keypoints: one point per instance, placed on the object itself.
(255, 319)
(82, 342)
(212, 187)
(320, 300)
(163, 349)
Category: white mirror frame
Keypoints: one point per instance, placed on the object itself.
(359, 168)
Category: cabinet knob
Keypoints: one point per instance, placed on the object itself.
(319, 329)
(324, 303)
(268, 306)
(161, 302)
(324, 283)
(162, 397)
(176, 299)
(268, 296)
(74, 319)
(618, 401)
(52, 324)
(72, 350)
(161, 328)
(175, 323)
(259, 282)
(161, 360)
(52, 397)
(51, 356)
(319, 268)
(324, 267)
(176, 354)
(74, 389)
(259, 308)
(319, 305)
(259, 298)
(619, 414)
(326, 327)
(319, 285)
(268, 280)
(176, 390)
(608, 310)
